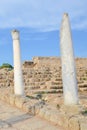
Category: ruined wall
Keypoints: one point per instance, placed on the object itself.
(45, 73)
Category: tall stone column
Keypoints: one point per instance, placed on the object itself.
(18, 78)
(70, 88)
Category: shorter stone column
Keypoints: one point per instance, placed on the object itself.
(70, 88)
(18, 77)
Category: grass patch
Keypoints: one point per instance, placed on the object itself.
(38, 96)
(58, 106)
(85, 78)
(31, 97)
(46, 92)
(84, 112)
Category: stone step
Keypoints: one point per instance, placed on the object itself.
(82, 85)
(83, 89)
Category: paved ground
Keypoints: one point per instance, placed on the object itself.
(14, 119)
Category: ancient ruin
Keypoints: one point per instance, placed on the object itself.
(47, 88)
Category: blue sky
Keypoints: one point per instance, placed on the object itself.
(39, 23)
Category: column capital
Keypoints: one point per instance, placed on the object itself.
(15, 34)
(65, 14)
(65, 17)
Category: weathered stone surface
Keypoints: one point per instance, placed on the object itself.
(42, 112)
(13, 119)
(73, 109)
(83, 126)
(34, 76)
(62, 116)
(12, 100)
(68, 65)
(74, 124)
(19, 101)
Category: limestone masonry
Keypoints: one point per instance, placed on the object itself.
(45, 73)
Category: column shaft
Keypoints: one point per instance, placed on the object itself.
(18, 77)
(68, 64)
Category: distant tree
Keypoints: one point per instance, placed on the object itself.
(6, 65)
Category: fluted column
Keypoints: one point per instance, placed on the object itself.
(18, 78)
(70, 88)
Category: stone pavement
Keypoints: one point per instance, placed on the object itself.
(14, 119)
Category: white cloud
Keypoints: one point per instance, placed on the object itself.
(42, 14)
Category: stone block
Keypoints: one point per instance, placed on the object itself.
(28, 108)
(74, 124)
(42, 112)
(7, 98)
(73, 109)
(25, 107)
(12, 99)
(83, 126)
(19, 101)
(47, 115)
(59, 119)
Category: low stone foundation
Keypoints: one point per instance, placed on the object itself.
(70, 118)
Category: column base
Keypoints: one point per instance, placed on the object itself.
(73, 109)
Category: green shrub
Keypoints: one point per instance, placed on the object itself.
(6, 65)
(84, 112)
(84, 78)
(39, 96)
(58, 106)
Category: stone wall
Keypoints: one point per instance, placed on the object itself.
(45, 73)
(46, 62)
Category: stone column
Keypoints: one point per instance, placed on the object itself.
(18, 78)
(70, 88)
